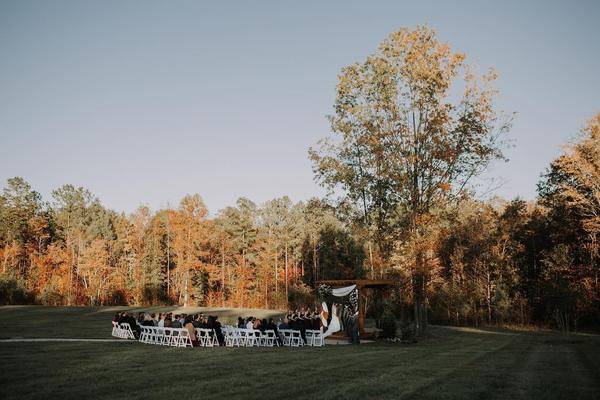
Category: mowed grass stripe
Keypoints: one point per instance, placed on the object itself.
(415, 374)
(341, 372)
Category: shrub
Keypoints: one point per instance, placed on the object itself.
(387, 323)
(117, 297)
(408, 332)
(50, 297)
(12, 290)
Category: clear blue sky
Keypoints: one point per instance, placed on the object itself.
(143, 102)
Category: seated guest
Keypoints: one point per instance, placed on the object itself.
(204, 323)
(182, 318)
(168, 322)
(256, 324)
(271, 325)
(191, 330)
(316, 322)
(116, 317)
(250, 323)
(241, 323)
(154, 319)
(196, 321)
(285, 324)
(148, 321)
(176, 323)
(161, 320)
(292, 321)
(213, 323)
(263, 325)
(140, 317)
(128, 319)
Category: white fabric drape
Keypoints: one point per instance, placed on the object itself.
(344, 291)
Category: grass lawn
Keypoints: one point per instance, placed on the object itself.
(449, 363)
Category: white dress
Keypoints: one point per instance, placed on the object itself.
(324, 315)
(334, 325)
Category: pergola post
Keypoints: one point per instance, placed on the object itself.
(361, 311)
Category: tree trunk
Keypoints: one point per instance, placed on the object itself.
(276, 270)
(417, 307)
(266, 294)
(488, 298)
(71, 267)
(371, 260)
(286, 274)
(223, 272)
(5, 261)
(168, 261)
(185, 289)
(314, 262)
(243, 297)
(419, 296)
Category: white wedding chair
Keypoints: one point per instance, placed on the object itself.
(126, 332)
(268, 338)
(314, 338)
(183, 338)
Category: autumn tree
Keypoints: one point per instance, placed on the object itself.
(190, 238)
(80, 219)
(239, 223)
(24, 226)
(95, 271)
(401, 144)
(476, 268)
(318, 216)
(471, 261)
(571, 192)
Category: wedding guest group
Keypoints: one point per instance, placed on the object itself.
(299, 320)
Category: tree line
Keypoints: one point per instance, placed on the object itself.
(74, 251)
(412, 126)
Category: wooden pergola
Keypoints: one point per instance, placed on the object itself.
(360, 284)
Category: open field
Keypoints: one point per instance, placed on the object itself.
(450, 363)
(93, 322)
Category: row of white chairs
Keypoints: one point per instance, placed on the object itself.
(122, 331)
(314, 338)
(207, 337)
(176, 337)
(293, 338)
(241, 337)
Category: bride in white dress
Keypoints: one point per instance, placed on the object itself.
(334, 325)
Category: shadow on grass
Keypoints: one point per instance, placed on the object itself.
(94, 322)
